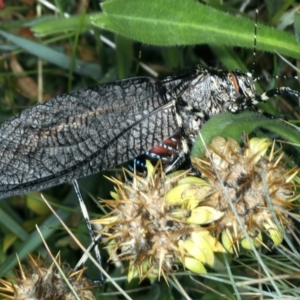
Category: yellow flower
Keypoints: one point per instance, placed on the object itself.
(154, 224)
(161, 221)
(250, 189)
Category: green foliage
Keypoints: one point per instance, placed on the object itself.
(234, 126)
(188, 22)
(297, 26)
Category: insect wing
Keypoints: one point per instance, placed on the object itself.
(77, 134)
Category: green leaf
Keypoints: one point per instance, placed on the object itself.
(33, 241)
(53, 56)
(59, 25)
(7, 221)
(297, 26)
(234, 125)
(124, 55)
(187, 22)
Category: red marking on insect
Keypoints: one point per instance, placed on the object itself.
(168, 146)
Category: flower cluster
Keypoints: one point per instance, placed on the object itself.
(162, 221)
(154, 231)
(253, 190)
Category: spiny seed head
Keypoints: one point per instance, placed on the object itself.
(158, 222)
(42, 281)
(155, 230)
(252, 190)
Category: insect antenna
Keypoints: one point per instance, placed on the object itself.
(254, 43)
(279, 91)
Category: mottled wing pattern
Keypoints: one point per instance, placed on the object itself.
(77, 134)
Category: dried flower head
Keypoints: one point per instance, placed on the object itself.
(42, 281)
(156, 223)
(156, 232)
(253, 190)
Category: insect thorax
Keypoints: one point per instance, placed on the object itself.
(210, 92)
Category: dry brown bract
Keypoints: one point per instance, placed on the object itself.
(42, 281)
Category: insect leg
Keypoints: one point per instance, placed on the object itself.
(276, 92)
(185, 152)
(84, 257)
(94, 238)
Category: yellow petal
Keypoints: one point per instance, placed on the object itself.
(204, 215)
(274, 233)
(199, 248)
(194, 180)
(174, 196)
(191, 204)
(186, 192)
(256, 242)
(227, 241)
(197, 237)
(114, 195)
(192, 249)
(194, 265)
(276, 237)
(258, 148)
(205, 243)
(150, 170)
